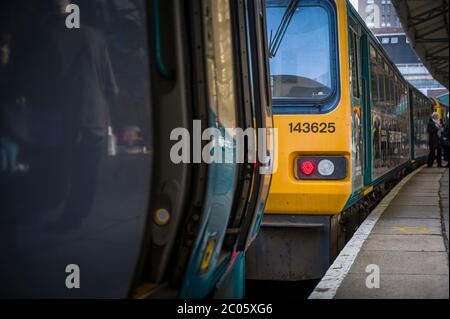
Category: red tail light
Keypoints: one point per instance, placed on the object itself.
(308, 168)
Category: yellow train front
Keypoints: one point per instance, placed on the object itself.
(345, 135)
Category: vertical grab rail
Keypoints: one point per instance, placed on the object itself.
(163, 70)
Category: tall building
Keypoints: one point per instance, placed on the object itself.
(380, 16)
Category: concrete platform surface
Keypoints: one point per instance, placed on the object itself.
(405, 253)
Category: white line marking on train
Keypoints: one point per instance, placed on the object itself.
(330, 283)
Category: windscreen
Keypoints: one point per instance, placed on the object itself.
(302, 62)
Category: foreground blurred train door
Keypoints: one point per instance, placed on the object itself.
(77, 145)
(92, 203)
(235, 194)
(223, 202)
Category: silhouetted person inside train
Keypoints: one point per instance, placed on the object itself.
(434, 130)
(70, 88)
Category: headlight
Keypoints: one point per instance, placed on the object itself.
(326, 167)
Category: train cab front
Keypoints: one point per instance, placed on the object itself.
(314, 116)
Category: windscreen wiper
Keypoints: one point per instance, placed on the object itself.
(275, 42)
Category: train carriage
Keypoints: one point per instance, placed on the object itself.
(344, 116)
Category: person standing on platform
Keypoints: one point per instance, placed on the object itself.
(434, 130)
(445, 143)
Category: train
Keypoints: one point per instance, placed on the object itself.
(349, 125)
(92, 205)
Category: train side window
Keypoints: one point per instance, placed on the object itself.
(399, 88)
(385, 75)
(381, 80)
(354, 63)
(391, 88)
(374, 74)
(396, 92)
(388, 86)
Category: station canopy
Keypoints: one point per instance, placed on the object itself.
(443, 99)
(426, 25)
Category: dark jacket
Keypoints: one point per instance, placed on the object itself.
(6, 97)
(69, 71)
(433, 138)
(445, 136)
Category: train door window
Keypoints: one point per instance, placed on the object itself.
(377, 88)
(354, 63)
(77, 121)
(220, 65)
(222, 83)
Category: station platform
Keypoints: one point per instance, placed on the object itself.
(401, 249)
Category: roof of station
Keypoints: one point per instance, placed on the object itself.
(426, 24)
(443, 99)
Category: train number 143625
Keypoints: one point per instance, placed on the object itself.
(307, 127)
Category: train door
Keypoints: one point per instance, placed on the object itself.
(262, 117)
(178, 184)
(236, 192)
(77, 130)
(254, 49)
(202, 210)
(365, 94)
(412, 134)
(92, 203)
